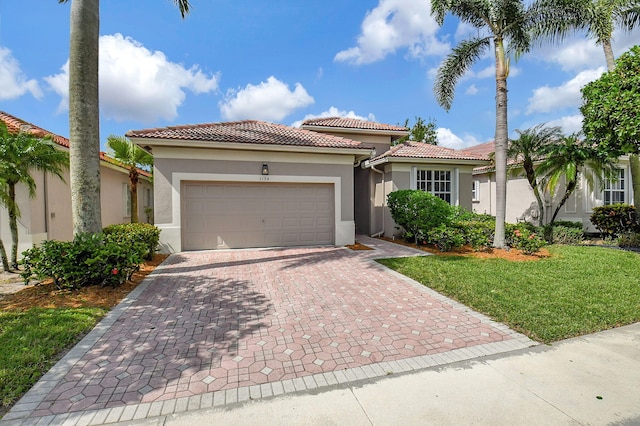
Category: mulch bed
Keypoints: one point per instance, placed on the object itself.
(46, 295)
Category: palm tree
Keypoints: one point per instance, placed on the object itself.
(132, 157)
(21, 153)
(555, 19)
(570, 157)
(5, 200)
(526, 150)
(84, 119)
(505, 23)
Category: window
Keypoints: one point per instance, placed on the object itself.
(475, 190)
(614, 191)
(126, 200)
(437, 182)
(148, 197)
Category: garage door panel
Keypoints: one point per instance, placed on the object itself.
(236, 215)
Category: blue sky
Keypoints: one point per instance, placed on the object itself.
(281, 61)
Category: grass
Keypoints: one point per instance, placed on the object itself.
(31, 341)
(578, 290)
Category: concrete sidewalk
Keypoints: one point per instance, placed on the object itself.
(590, 380)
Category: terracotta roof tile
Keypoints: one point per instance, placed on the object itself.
(352, 123)
(249, 132)
(481, 149)
(15, 125)
(413, 149)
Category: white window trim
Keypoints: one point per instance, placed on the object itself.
(624, 191)
(475, 192)
(126, 200)
(455, 179)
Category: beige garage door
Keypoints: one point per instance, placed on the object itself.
(240, 215)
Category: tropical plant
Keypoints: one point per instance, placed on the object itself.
(555, 19)
(5, 200)
(570, 158)
(505, 25)
(132, 157)
(84, 117)
(421, 131)
(20, 154)
(525, 150)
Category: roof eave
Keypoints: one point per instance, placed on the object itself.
(324, 129)
(146, 143)
(418, 160)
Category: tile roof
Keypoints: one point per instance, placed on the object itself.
(413, 149)
(481, 149)
(16, 125)
(249, 132)
(352, 123)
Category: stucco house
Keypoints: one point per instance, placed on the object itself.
(48, 215)
(257, 184)
(522, 205)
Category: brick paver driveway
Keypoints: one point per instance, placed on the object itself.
(222, 326)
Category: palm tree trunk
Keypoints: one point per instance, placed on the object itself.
(608, 54)
(133, 185)
(567, 193)
(5, 260)
(501, 143)
(84, 120)
(536, 192)
(13, 225)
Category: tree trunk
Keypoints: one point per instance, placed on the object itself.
(634, 162)
(567, 193)
(536, 192)
(501, 143)
(608, 54)
(5, 260)
(84, 119)
(133, 186)
(13, 225)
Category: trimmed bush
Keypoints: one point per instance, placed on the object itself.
(133, 233)
(90, 259)
(563, 234)
(615, 219)
(418, 212)
(526, 240)
(446, 238)
(478, 233)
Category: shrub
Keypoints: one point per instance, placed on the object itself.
(615, 219)
(563, 234)
(527, 241)
(510, 228)
(90, 259)
(418, 211)
(478, 233)
(446, 238)
(631, 240)
(133, 233)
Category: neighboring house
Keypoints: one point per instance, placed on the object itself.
(48, 215)
(522, 205)
(257, 184)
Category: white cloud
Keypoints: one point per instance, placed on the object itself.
(136, 83)
(13, 81)
(393, 25)
(270, 101)
(569, 124)
(579, 53)
(471, 90)
(335, 112)
(549, 99)
(448, 139)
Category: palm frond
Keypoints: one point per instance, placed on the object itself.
(455, 65)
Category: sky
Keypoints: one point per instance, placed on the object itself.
(282, 61)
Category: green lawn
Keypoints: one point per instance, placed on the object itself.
(31, 341)
(578, 290)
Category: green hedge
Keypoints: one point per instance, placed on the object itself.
(418, 212)
(108, 258)
(615, 219)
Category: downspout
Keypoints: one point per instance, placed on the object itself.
(377, 234)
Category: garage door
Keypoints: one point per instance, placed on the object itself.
(241, 215)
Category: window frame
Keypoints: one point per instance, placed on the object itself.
(619, 187)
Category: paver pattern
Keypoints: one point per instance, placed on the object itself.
(216, 320)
